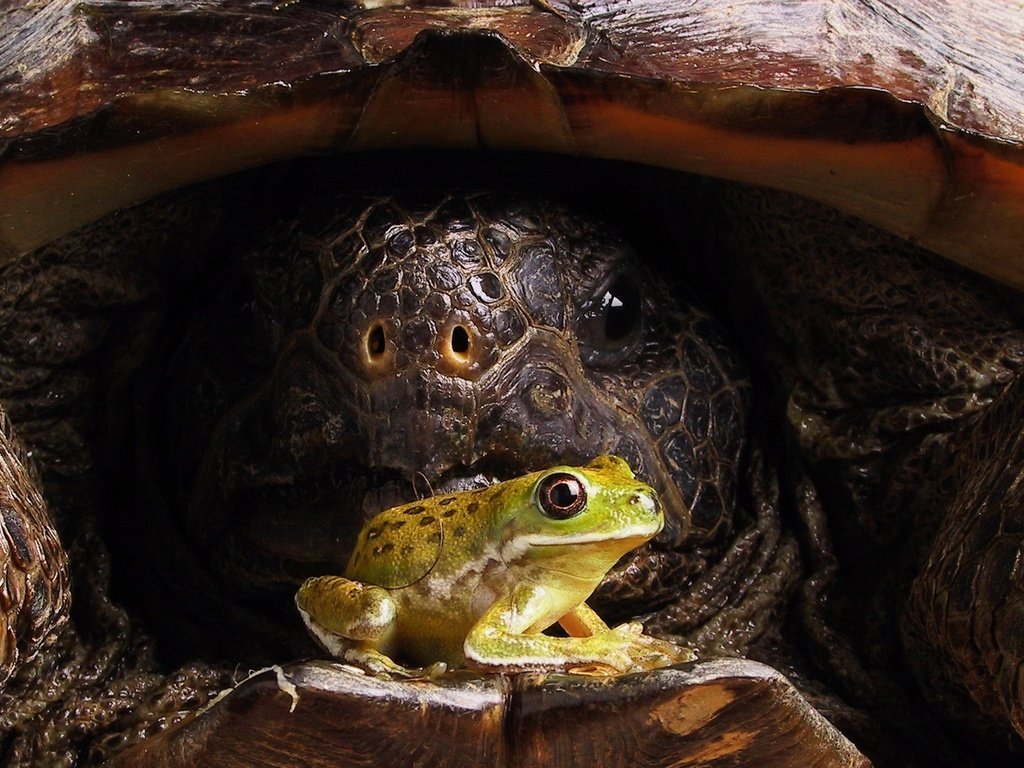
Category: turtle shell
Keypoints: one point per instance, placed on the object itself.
(906, 118)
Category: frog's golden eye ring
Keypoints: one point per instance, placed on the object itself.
(561, 496)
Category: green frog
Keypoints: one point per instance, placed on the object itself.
(474, 578)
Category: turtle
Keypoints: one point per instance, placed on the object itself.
(817, 364)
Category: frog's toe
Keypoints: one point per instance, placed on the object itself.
(378, 664)
(594, 669)
(652, 653)
(436, 669)
(678, 654)
(630, 628)
(623, 661)
(431, 672)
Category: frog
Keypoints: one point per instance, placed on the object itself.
(472, 579)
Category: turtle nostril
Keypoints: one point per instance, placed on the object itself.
(377, 353)
(462, 350)
(460, 341)
(375, 342)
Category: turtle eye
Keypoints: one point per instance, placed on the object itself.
(610, 322)
(561, 496)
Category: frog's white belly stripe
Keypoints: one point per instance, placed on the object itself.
(465, 578)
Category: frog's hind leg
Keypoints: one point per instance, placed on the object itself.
(343, 614)
(353, 622)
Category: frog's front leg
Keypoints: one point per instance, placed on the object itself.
(508, 638)
(351, 620)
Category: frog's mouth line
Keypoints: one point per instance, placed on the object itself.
(634, 532)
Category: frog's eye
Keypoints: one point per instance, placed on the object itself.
(561, 496)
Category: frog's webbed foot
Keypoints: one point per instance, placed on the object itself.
(628, 649)
(646, 652)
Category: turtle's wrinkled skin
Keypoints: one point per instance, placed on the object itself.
(268, 421)
(236, 420)
(897, 370)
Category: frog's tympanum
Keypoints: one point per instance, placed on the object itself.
(474, 578)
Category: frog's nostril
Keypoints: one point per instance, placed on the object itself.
(644, 501)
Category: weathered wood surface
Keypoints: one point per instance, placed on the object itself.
(731, 713)
(910, 117)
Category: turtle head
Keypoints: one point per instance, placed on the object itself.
(469, 334)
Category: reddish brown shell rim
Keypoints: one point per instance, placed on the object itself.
(907, 118)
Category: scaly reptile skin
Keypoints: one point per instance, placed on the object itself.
(91, 321)
(903, 383)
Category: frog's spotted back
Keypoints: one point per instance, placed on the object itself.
(401, 545)
(398, 547)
